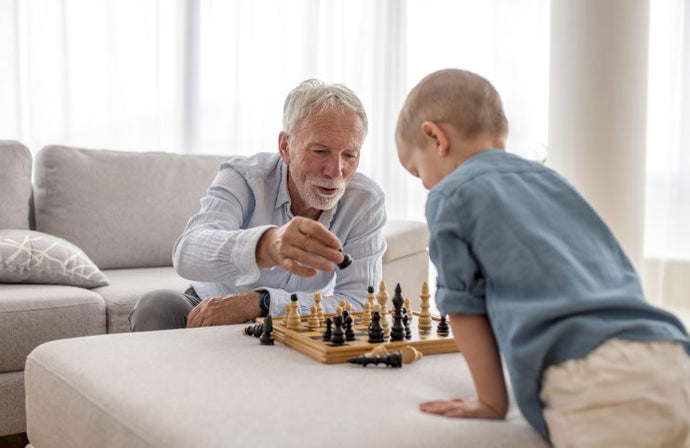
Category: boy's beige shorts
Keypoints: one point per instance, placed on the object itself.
(623, 394)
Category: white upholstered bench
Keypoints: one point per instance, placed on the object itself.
(214, 387)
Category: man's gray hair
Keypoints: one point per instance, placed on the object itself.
(313, 97)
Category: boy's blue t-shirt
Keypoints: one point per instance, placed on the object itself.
(512, 239)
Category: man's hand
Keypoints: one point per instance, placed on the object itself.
(461, 408)
(302, 246)
(225, 310)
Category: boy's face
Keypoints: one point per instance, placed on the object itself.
(422, 162)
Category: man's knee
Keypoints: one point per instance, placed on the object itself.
(161, 309)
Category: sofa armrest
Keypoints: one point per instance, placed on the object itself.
(406, 260)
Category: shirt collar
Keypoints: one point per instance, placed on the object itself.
(283, 199)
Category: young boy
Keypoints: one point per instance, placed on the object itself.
(528, 270)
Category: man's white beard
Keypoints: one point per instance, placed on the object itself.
(314, 199)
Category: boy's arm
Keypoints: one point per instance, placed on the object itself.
(476, 341)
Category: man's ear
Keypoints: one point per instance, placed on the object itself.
(436, 136)
(284, 147)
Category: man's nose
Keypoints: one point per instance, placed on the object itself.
(334, 166)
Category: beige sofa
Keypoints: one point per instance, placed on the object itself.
(124, 211)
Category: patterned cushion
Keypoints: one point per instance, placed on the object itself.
(27, 256)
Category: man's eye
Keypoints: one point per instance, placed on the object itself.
(351, 156)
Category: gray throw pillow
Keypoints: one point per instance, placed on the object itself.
(27, 256)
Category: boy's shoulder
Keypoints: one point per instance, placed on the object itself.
(488, 164)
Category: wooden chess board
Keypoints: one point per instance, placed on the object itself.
(310, 343)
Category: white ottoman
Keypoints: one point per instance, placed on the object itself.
(214, 387)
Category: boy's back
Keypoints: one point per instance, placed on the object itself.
(518, 243)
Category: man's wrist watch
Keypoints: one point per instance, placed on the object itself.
(265, 302)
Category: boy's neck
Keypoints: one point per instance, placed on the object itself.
(470, 148)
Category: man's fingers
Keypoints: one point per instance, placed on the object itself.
(317, 231)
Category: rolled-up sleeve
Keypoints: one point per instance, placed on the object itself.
(460, 283)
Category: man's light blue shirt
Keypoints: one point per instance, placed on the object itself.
(250, 195)
(513, 240)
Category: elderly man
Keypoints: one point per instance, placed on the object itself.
(276, 224)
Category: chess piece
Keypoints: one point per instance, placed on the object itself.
(267, 333)
(294, 320)
(397, 330)
(410, 354)
(375, 328)
(382, 298)
(347, 260)
(327, 334)
(349, 332)
(313, 321)
(366, 314)
(253, 330)
(370, 295)
(424, 324)
(392, 360)
(406, 325)
(408, 309)
(442, 328)
(338, 336)
(378, 350)
(319, 308)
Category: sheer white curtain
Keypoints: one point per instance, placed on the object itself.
(210, 76)
(667, 226)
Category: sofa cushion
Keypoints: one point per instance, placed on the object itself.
(127, 285)
(33, 314)
(27, 256)
(15, 185)
(405, 238)
(123, 209)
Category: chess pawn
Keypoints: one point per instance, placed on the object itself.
(424, 324)
(408, 309)
(319, 308)
(294, 320)
(375, 328)
(442, 328)
(328, 333)
(313, 322)
(366, 314)
(370, 295)
(342, 304)
(382, 298)
(338, 335)
(410, 354)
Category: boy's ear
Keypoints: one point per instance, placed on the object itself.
(436, 136)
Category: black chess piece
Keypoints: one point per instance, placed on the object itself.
(408, 330)
(397, 330)
(349, 332)
(338, 336)
(267, 333)
(391, 359)
(347, 260)
(253, 330)
(442, 329)
(375, 328)
(327, 334)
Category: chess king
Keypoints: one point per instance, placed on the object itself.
(275, 223)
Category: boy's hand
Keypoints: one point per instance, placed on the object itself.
(461, 408)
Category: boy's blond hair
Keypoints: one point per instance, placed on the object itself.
(458, 97)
